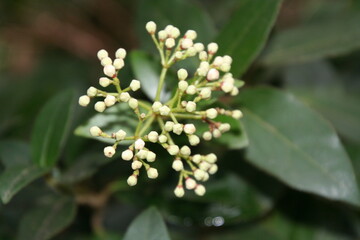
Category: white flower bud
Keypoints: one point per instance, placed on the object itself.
(173, 149)
(135, 85)
(91, 92)
(164, 110)
(132, 180)
(200, 190)
(127, 155)
(182, 74)
(199, 174)
(177, 165)
(191, 34)
(199, 47)
(207, 136)
(178, 128)
(227, 86)
(162, 35)
(151, 156)
(212, 48)
(203, 56)
(100, 106)
(102, 54)
(218, 61)
(174, 33)
(95, 131)
(225, 67)
(191, 51)
(133, 103)
(120, 135)
(104, 81)
(150, 27)
(84, 100)
(179, 55)
(142, 154)
(120, 53)
(191, 90)
(156, 106)
(205, 66)
(179, 191)
(189, 128)
(206, 177)
(224, 127)
(196, 158)
(109, 151)
(205, 93)
(139, 144)
(118, 63)
(183, 85)
(170, 43)
(152, 173)
(110, 100)
(153, 136)
(169, 126)
(237, 114)
(211, 158)
(136, 165)
(216, 133)
(213, 169)
(227, 59)
(185, 150)
(109, 70)
(190, 106)
(162, 139)
(106, 61)
(211, 113)
(212, 74)
(190, 183)
(234, 91)
(124, 97)
(168, 29)
(186, 43)
(204, 166)
(194, 140)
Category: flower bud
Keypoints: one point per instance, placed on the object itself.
(224, 127)
(189, 128)
(162, 139)
(152, 173)
(227, 86)
(203, 56)
(124, 97)
(199, 47)
(178, 128)
(212, 48)
(91, 92)
(168, 29)
(206, 177)
(151, 156)
(120, 135)
(104, 81)
(110, 100)
(100, 106)
(216, 133)
(183, 85)
(196, 158)
(118, 63)
(109, 70)
(136, 165)
(200, 190)
(174, 33)
(185, 150)
(109, 151)
(237, 114)
(164, 110)
(211, 113)
(135, 85)
(186, 43)
(156, 106)
(179, 55)
(132, 180)
(234, 91)
(102, 54)
(95, 131)
(153, 136)
(194, 140)
(177, 165)
(170, 43)
(212, 75)
(191, 90)
(133, 103)
(142, 154)
(207, 136)
(106, 61)
(190, 106)
(218, 61)
(120, 53)
(191, 34)
(150, 27)
(191, 51)
(139, 144)
(199, 174)
(204, 166)
(225, 67)
(190, 183)
(227, 59)
(182, 74)
(84, 100)
(173, 149)
(211, 158)
(205, 93)
(179, 191)
(162, 35)
(213, 169)
(127, 155)
(169, 126)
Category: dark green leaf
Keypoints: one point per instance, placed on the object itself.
(44, 222)
(13, 153)
(112, 120)
(246, 33)
(293, 143)
(149, 225)
(236, 138)
(51, 128)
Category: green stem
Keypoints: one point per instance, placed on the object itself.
(161, 83)
(147, 125)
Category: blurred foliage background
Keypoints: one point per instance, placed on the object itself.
(312, 53)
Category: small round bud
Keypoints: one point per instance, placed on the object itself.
(109, 151)
(179, 55)
(153, 136)
(150, 27)
(212, 48)
(194, 140)
(216, 133)
(207, 136)
(211, 158)
(132, 180)
(169, 125)
(120, 135)
(95, 131)
(162, 35)
(227, 59)
(164, 110)
(185, 150)
(84, 100)
(186, 43)
(227, 86)
(189, 128)
(218, 61)
(110, 100)
(142, 154)
(205, 93)
(224, 127)
(133, 103)
(204, 166)
(151, 156)
(102, 54)
(213, 169)
(190, 183)
(170, 43)
(152, 173)
(100, 106)
(109, 70)
(206, 177)
(162, 139)
(124, 97)
(104, 81)
(211, 113)
(127, 155)
(203, 56)
(196, 158)
(139, 144)
(179, 191)
(118, 63)
(237, 114)
(234, 91)
(191, 90)
(136, 165)
(190, 106)
(191, 34)
(212, 75)
(225, 67)
(120, 53)
(174, 33)
(168, 29)
(177, 165)
(156, 106)
(183, 85)
(135, 85)
(91, 92)
(199, 47)
(191, 51)
(173, 149)
(199, 174)
(182, 74)
(200, 190)
(106, 61)
(178, 128)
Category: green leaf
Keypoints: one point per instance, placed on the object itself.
(330, 37)
(13, 153)
(51, 128)
(149, 225)
(296, 145)
(110, 121)
(236, 138)
(246, 33)
(47, 220)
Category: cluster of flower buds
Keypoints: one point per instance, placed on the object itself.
(160, 122)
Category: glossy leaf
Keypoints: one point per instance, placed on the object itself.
(296, 145)
(111, 120)
(13, 153)
(330, 37)
(245, 34)
(51, 128)
(47, 220)
(149, 225)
